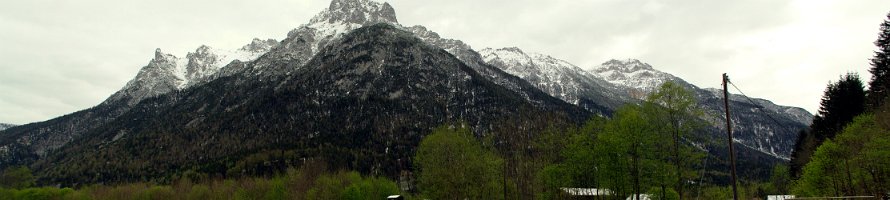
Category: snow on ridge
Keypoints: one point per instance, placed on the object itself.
(557, 77)
(329, 25)
(632, 73)
(514, 60)
(206, 61)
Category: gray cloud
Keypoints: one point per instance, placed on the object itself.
(64, 56)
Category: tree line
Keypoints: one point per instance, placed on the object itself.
(846, 151)
(642, 149)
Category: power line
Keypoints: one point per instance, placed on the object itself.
(758, 106)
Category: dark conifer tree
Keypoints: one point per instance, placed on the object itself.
(879, 86)
(803, 149)
(841, 102)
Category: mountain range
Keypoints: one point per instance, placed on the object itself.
(353, 87)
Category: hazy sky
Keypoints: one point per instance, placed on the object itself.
(63, 56)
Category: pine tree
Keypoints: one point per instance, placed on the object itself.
(879, 86)
(841, 102)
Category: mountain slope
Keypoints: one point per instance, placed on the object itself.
(558, 78)
(302, 43)
(5, 126)
(164, 74)
(167, 73)
(352, 87)
(363, 102)
(639, 77)
(751, 123)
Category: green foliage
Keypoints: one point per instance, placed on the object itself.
(47, 193)
(277, 191)
(156, 193)
(370, 188)
(780, 179)
(453, 165)
(199, 192)
(341, 185)
(716, 193)
(628, 147)
(351, 186)
(841, 102)
(332, 186)
(676, 115)
(17, 177)
(552, 178)
(663, 193)
(854, 163)
(639, 148)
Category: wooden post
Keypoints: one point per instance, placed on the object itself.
(735, 191)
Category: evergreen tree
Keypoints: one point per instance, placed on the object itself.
(879, 86)
(841, 102)
(854, 163)
(802, 151)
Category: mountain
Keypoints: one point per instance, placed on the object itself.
(167, 73)
(617, 82)
(753, 124)
(362, 102)
(5, 126)
(164, 74)
(558, 78)
(635, 75)
(360, 97)
(765, 131)
(352, 87)
(475, 60)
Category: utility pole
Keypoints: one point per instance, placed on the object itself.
(735, 191)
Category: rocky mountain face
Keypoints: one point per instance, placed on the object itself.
(618, 82)
(362, 102)
(353, 87)
(558, 78)
(637, 76)
(752, 123)
(359, 94)
(474, 60)
(302, 43)
(166, 73)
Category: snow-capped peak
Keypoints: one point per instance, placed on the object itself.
(341, 17)
(517, 62)
(356, 12)
(554, 76)
(199, 66)
(633, 73)
(627, 65)
(166, 72)
(160, 56)
(514, 60)
(259, 46)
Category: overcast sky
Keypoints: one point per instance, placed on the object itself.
(63, 56)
